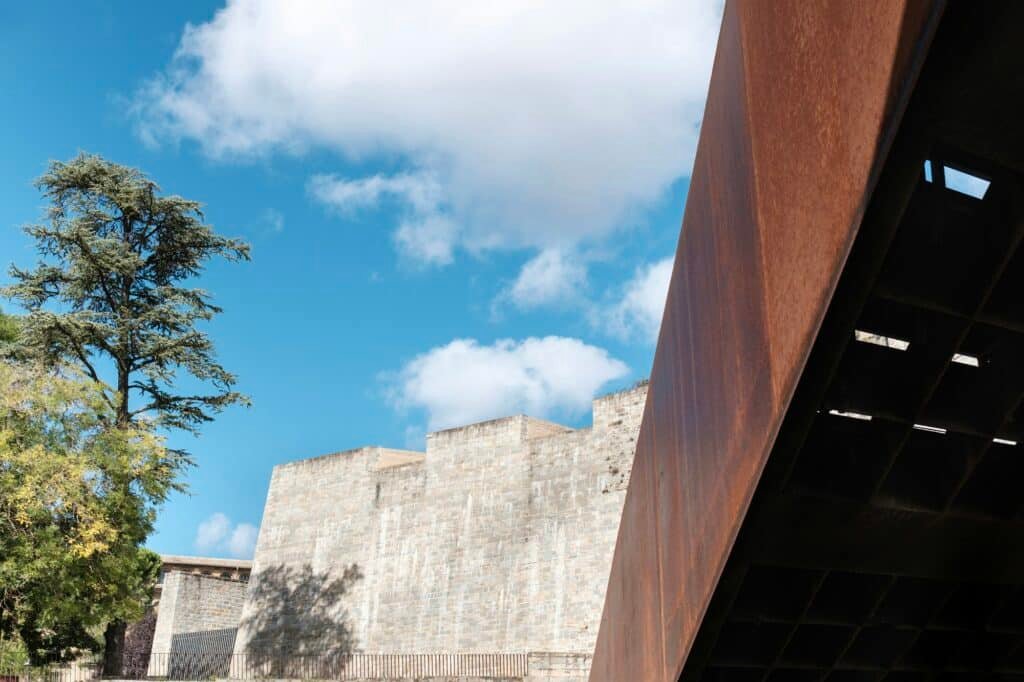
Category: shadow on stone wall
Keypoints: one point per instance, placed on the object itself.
(296, 617)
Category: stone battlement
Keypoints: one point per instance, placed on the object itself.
(507, 431)
(498, 538)
(612, 410)
(373, 456)
(608, 412)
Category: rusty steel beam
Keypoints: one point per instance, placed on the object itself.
(804, 101)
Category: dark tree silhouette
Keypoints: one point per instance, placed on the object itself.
(138, 644)
(298, 620)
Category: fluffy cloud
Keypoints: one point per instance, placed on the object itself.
(639, 310)
(212, 532)
(426, 234)
(551, 277)
(465, 382)
(218, 534)
(543, 124)
(419, 191)
(242, 542)
(429, 240)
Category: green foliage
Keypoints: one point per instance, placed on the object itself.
(13, 655)
(109, 297)
(77, 498)
(115, 256)
(8, 329)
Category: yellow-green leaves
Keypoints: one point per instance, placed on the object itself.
(77, 498)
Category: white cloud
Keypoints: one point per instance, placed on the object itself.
(426, 235)
(544, 124)
(242, 542)
(465, 382)
(551, 277)
(212, 532)
(420, 191)
(217, 534)
(639, 310)
(429, 240)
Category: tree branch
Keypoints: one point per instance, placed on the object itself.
(103, 283)
(151, 358)
(83, 358)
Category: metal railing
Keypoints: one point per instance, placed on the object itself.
(197, 666)
(212, 665)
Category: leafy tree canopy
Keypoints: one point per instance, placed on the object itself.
(8, 329)
(110, 297)
(116, 255)
(76, 500)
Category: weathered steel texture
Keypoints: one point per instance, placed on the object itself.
(803, 102)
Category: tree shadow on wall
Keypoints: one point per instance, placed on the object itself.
(297, 624)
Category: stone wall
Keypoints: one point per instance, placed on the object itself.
(498, 539)
(554, 667)
(197, 613)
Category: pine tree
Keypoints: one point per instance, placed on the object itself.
(109, 296)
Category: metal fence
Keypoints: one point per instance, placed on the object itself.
(210, 666)
(197, 666)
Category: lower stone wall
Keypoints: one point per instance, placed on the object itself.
(197, 614)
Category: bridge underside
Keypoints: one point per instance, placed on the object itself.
(885, 537)
(828, 479)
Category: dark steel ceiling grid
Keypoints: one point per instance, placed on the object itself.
(886, 539)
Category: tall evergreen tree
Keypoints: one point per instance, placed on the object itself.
(115, 257)
(109, 295)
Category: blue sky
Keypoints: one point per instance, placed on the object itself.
(447, 225)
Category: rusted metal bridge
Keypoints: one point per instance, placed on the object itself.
(828, 481)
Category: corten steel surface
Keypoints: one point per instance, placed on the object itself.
(810, 502)
(885, 538)
(803, 104)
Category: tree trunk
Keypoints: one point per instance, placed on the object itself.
(113, 648)
(123, 415)
(113, 636)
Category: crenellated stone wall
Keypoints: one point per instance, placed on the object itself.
(498, 539)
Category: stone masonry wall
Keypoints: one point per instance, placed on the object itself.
(197, 612)
(498, 539)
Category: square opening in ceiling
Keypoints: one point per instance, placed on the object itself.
(965, 183)
(950, 244)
